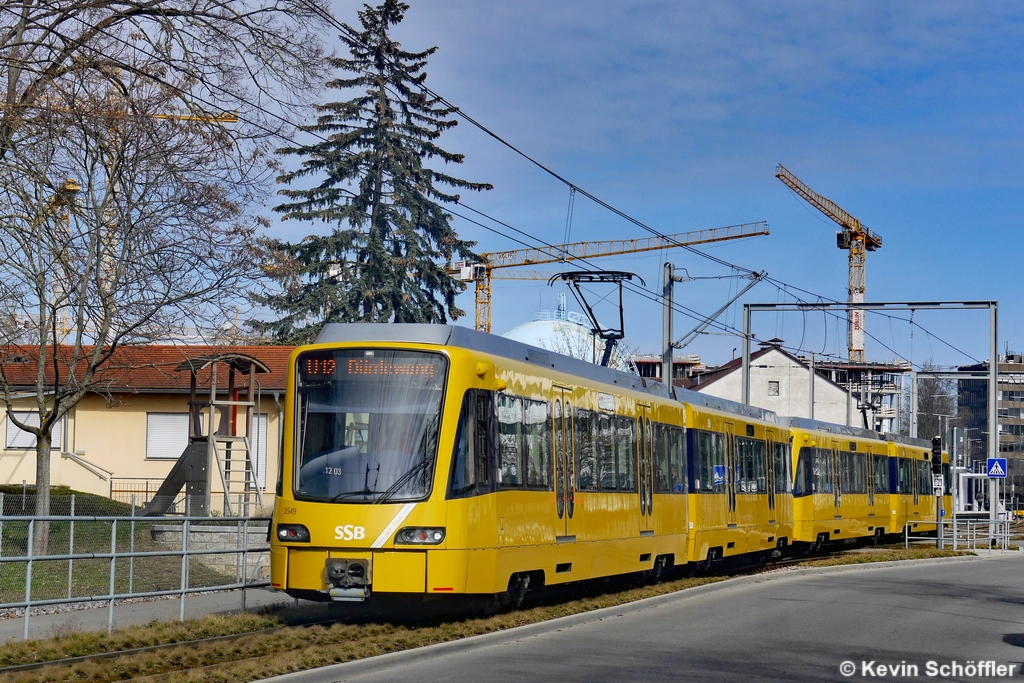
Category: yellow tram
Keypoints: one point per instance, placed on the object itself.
(840, 489)
(436, 460)
(912, 501)
(740, 481)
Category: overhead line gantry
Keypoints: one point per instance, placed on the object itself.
(482, 273)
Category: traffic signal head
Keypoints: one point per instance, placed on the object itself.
(936, 455)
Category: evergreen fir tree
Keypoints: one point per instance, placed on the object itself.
(384, 260)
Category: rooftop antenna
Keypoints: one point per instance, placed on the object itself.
(616, 277)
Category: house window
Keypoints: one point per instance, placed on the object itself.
(773, 388)
(18, 440)
(166, 435)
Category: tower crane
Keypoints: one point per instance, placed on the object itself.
(482, 273)
(856, 238)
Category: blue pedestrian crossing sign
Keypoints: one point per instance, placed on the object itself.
(996, 468)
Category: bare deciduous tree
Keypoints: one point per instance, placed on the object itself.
(263, 57)
(127, 205)
(936, 403)
(573, 340)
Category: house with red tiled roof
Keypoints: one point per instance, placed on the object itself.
(779, 381)
(127, 433)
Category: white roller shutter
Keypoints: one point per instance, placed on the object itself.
(166, 435)
(18, 440)
(259, 449)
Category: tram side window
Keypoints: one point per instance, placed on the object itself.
(586, 443)
(783, 480)
(670, 459)
(861, 470)
(625, 452)
(924, 477)
(894, 474)
(881, 474)
(474, 445)
(905, 477)
(822, 471)
(661, 457)
(606, 452)
(745, 466)
(752, 466)
(846, 475)
(510, 441)
(707, 464)
(853, 466)
(946, 479)
(803, 483)
(761, 466)
(537, 442)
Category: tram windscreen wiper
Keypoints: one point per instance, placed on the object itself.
(352, 494)
(403, 480)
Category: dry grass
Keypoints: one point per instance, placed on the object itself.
(75, 643)
(258, 655)
(885, 555)
(265, 654)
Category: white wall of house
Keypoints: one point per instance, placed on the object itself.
(115, 439)
(781, 383)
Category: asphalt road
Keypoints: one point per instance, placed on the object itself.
(798, 626)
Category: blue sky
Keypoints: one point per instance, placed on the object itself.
(906, 114)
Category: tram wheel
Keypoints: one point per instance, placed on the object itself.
(513, 598)
(658, 570)
(705, 566)
(818, 543)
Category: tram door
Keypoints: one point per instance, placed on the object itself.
(645, 469)
(730, 475)
(565, 461)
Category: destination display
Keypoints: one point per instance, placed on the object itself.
(346, 365)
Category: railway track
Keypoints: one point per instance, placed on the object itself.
(100, 656)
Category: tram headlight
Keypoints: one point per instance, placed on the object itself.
(419, 535)
(292, 533)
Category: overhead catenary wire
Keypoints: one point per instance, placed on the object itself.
(647, 293)
(575, 188)
(193, 97)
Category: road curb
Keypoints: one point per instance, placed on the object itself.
(339, 672)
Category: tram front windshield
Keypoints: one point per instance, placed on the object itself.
(367, 424)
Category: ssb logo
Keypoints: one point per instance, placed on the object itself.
(349, 533)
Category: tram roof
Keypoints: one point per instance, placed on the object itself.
(909, 440)
(819, 426)
(464, 337)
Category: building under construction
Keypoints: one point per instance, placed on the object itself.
(871, 391)
(874, 388)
